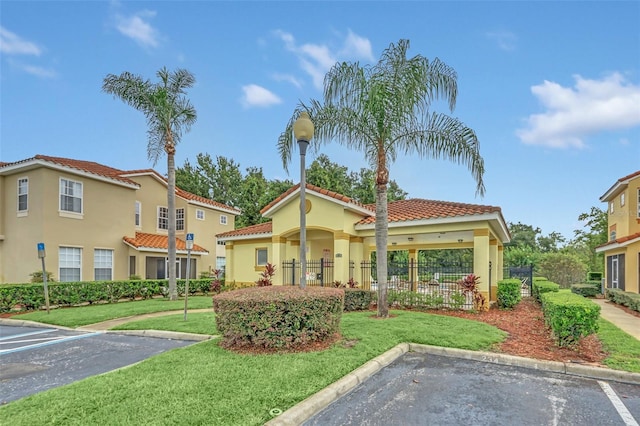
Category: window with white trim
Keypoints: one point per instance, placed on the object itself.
(622, 199)
(138, 217)
(69, 264)
(163, 218)
(70, 196)
(261, 256)
(180, 219)
(23, 195)
(199, 214)
(611, 206)
(103, 264)
(223, 219)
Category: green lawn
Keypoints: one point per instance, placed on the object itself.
(84, 315)
(204, 384)
(197, 322)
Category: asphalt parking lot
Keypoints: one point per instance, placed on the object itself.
(427, 389)
(34, 359)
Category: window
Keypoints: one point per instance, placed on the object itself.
(622, 199)
(639, 203)
(138, 211)
(132, 266)
(223, 219)
(222, 243)
(221, 264)
(180, 219)
(103, 264)
(612, 235)
(261, 256)
(69, 263)
(23, 195)
(200, 214)
(70, 196)
(611, 207)
(163, 218)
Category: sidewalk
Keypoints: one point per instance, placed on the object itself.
(106, 325)
(626, 322)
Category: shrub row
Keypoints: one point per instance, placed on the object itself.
(421, 301)
(570, 316)
(31, 296)
(624, 298)
(278, 317)
(356, 299)
(542, 286)
(509, 293)
(589, 289)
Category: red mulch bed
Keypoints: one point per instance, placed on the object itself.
(529, 337)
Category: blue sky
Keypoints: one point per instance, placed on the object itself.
(551, 88)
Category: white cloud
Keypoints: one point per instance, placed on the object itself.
(138, 28)
(506, 40)
(288, 78)
(12, 44)
(39, 71)
(258, 96)
(317, 59)
(591, 106)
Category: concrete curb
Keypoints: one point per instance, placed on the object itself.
(25, 323)
(311, 406)
(318, 401)
(171, 335)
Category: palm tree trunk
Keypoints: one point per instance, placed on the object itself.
(382, 226)
(171, 203)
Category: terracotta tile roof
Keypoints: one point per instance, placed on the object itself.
(143, 240)
(420, 209)
(620, 184)
(620, 240)
(84, 166)
(182, 193)
(317, 189)
(261, 228)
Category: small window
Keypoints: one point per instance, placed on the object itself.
(199, 214)
(223, 219)
(70, 196)
(261, 256)
(180, 219)
(138, 214)
(622, 199)
(222, 243)
(69, 264)
(612, 236)
(103, 264)
(163, 218)
(23, 195)
(611, 207)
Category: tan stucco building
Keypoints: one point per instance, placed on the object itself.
(100, 223)
(341, 231)
(622, 250)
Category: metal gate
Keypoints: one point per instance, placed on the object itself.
(319, 272)
(524, 274)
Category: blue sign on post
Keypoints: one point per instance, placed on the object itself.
(189, 237)
(189, 241)
(41, 252)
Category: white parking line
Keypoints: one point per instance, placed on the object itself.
(32, 340)
(39, 345)
(627, 418)
(32, 333)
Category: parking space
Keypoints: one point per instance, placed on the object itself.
(421, 389)
(34, 359)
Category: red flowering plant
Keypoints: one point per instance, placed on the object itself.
(469, 285)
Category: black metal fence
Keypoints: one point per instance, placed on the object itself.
(437, 284)
(319, 272)
(524, 274)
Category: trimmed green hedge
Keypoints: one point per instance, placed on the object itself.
(624, 298)
(356, 299)
(278, 317)
(541, 287)
(570, 316)
(509, 293)
(586, 290)
(31, 296)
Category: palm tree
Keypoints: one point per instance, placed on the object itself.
(382, 111)
(168, 114)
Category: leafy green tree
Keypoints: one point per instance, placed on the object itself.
(551, 243)
(169, 113)
(523, 235)
(383, 111)
(326, 174)
(190, 179)
(562, 268)
(591, 236)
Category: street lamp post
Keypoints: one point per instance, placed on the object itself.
(303, 132)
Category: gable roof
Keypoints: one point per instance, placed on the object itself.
(401, 213)
(80, 167)
(620, 185)
(188, 196)
(293, 192)
(159, 243)
(106, 173)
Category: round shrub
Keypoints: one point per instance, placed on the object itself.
(278, 317)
